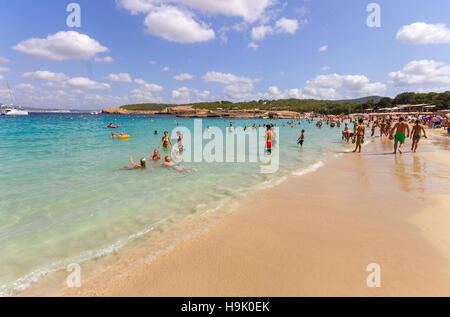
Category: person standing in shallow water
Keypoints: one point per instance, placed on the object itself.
(269, 139)
(301, 139)
(165, 141)
(360, 132)
(401, 128)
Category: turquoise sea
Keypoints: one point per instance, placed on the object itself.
(64, 198)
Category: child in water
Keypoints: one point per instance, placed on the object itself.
(301, 139)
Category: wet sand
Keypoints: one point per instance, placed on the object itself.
(314, 235)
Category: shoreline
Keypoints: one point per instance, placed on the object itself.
(288, 241)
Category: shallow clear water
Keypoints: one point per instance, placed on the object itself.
(63, 195)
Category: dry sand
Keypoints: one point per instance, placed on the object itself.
(314, 235)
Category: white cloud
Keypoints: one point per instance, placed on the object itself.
(4, 59)
(137, 6)
(218, 77)
(433, 89)
(287, 25)
(253, 46)
(423, 72)
(86, 83)
(60, 80)
(165, 69)
(423, 33)
(176, 25)
(183, 76)
(328, 87)
(240, 91)
(64, 45)
(147, 86)
(120, 78)
(152, 62)
(4, 69)
(274, 92)
(283, 25)
(24, 86)
(186, 95)
(325, 68)
(44, 75)
(146, 92)
(323, 48)
(238, 87)
(334, 85)
(106, 59)
(1, 76)
(259, 32)
(248, 10)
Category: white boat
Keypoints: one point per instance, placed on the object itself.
(17, 112)
(9, 110)
(95, 113)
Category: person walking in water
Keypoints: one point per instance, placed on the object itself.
(360, 132)
(401, 130)
(165, 141)
(301, 139)
(269, 139)
(416, 135)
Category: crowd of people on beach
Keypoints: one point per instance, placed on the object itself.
(396, 129)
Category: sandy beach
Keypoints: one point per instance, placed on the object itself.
(314, 235)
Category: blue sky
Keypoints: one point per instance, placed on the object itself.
(223, 50)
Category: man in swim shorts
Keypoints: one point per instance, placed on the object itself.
(269, 139)
(401, 130)
(301, 139)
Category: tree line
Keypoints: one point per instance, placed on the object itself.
(440, 100)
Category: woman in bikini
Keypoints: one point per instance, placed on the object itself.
(416, 135)
(360, 132)
(165, 141)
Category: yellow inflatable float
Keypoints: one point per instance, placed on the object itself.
(123, 137)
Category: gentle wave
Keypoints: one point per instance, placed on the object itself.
(312, 168)
(25, 281)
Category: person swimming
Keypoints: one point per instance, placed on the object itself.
(169, 163)
(143, 164)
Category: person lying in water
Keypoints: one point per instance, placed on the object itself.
(169, 163)
(156, 156)
(143, 164)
